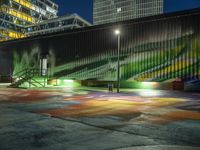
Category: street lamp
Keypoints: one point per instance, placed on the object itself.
(117, 32)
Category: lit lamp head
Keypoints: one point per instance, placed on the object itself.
(117, 32)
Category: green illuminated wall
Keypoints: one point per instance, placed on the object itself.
(161, 48)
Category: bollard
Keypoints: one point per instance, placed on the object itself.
(110, 87)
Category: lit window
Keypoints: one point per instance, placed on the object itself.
(119, 10)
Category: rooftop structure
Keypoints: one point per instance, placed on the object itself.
(62, 23)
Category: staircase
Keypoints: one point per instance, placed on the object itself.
(28, 76)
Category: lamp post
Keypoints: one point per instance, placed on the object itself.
(117, 32)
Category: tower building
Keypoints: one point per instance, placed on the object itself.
(106, 11)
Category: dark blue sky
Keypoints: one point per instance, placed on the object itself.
(84, 7)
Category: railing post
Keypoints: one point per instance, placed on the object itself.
(44, 81)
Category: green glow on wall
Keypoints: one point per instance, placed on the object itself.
(69, 83)
(148, 85)
(140, 85)
(27, 59)
(35, 82)
(64, 82)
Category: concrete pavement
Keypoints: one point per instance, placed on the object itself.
(64, 118)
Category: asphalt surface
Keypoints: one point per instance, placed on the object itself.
(86, 119)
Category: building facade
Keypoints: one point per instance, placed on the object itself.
(16, 15)
(162, 48)
(106, 11)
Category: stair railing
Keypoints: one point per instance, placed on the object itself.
(17, 76)
(27, 75)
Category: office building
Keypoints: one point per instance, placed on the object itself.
(16, 15)
(106, 11)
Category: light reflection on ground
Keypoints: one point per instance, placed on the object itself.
(151, 104)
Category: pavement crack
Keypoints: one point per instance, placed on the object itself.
(100, 127)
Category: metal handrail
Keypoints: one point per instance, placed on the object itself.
(20, 72)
